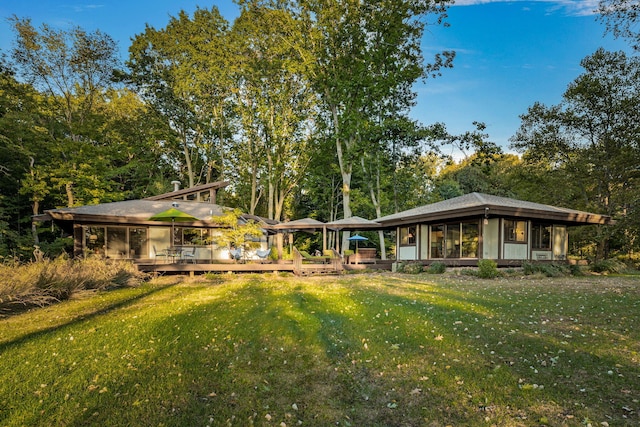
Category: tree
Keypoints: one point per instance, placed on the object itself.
(368, 56)
(236, 231)
(622, 18)
(593, 139)
(275, 102)
(182, 72)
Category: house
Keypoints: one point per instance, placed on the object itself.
(465, 229)
(125, 230)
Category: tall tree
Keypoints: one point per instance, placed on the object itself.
(593, 136)
(180, 71)
(622, 18)
(275, 101)
(73, 69)
(368, 56)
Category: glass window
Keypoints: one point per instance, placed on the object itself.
(515, 231)
(541, 236)
(117, 242)
(94, 240)
(138, 247)
(437, 241)
(408, 236)
(452, 241)
(470, 233)
(191, 236)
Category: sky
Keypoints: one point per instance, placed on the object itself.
(509, 53)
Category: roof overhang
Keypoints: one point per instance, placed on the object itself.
(491, 211)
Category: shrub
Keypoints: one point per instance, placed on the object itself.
(436, 268)
(608, 266)
(487, 269)
(43, 283)
(410, 268)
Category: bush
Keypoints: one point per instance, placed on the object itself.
(410, 268)
(43, 283)
(551, 270)
(436, 268)
(487, 269)
(612, 266)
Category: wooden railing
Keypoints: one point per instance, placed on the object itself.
(297, 262)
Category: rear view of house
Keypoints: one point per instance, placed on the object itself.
(477, 226)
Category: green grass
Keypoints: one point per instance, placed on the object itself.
(361, 350)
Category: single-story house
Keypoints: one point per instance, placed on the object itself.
(465, 229)
(126, 230)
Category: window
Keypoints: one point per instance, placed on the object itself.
(470, 233)
(408, 236)
(94, 240)
(515, 231)
(458, 240)
(541, 236)
(437, 241)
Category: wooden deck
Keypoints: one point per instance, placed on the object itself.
(253, 267)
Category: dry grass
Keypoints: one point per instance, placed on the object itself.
(43, 283)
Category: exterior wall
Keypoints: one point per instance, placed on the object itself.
(516, 251)
(407, 253)
(491, 239)
(560, 242)
(423, 241)
(493, 244)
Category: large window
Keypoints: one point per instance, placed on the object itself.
(408, 236)
(437, 241)
(541, 236)
(515, 231)
(191, 236)
(470, 237)
(458, 240)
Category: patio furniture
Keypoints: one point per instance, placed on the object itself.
(263, 254)
(189, 254)
(159, 254)
(174, 252)
(236, 254)
(313, 258)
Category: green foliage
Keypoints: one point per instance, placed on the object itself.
(436, 268)
(612, 266)
(487, 269)
(551, 269)
(236, 231)
(410, 268)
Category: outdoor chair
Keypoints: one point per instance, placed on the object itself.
(312, 258)
(159, 254)
(263, 254)
(189, 254)
(235, 254)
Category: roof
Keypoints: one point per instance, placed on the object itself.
(191, 191)
(352, 223)
(138, 212)
(479, 204)
(299, 224)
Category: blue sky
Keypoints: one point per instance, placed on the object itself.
(510, 53)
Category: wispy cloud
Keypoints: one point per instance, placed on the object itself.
(570, 7)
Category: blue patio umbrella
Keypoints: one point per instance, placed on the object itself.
(357, 238)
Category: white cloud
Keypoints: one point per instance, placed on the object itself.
(571, 7)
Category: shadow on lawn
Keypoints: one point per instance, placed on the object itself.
(355, 352)
(80, 317)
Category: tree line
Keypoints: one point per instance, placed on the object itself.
(303, 106)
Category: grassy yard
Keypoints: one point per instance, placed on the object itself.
(360, 350)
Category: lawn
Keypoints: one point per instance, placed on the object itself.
(359, 350)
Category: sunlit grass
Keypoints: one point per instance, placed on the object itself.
(361, 350)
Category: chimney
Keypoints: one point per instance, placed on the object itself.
(176, 185)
